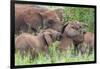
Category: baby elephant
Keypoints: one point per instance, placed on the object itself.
(71, 35)
(87, 45)
(27, 43)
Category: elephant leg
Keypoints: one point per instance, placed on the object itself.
(82, 49)
(76, 49)
(90, 51)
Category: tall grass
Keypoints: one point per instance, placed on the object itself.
(53, 56)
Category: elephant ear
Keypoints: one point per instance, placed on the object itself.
(43, 14)
(33, 19)
(31, 15)
(63, 28)
(47, 38)
(28, 16)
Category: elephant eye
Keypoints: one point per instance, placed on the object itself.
(50, 23)
(73, 27)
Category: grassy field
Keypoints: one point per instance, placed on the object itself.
(85, 15)
(52, 57)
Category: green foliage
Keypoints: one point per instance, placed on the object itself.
(85, 15)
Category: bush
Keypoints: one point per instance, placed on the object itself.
(85, 15)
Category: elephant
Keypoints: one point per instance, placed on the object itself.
(87, 46)
(35, 44)
(71, 36)
(30, 18)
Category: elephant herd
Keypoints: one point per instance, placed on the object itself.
(36, 28)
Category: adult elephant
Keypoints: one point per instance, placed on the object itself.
(30, 18)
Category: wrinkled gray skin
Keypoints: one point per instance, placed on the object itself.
(30, 18)
(27, 43)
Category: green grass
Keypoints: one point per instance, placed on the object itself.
(85, 15)
(53, 56)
